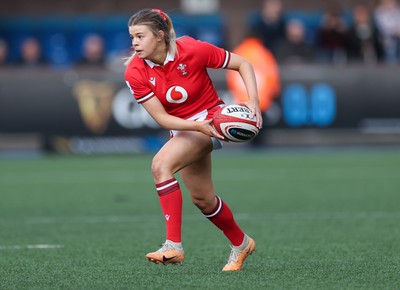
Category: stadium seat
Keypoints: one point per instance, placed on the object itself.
(295, 105)
(182, 24)
(62, 37)
(81, 27)
(209, 28)
(115, 32)
(16, 30)
(56, 41)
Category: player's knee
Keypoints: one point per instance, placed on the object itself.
(159, 167)
(156, 166)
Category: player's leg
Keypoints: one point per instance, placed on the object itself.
(183, 149)
(198, 180)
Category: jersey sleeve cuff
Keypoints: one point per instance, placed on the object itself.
(145, 98)
(227, 59)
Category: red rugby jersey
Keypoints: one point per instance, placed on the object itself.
(182, 85)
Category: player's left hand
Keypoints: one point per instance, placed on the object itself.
(254, 107)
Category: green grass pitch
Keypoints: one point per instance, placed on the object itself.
(324, 220)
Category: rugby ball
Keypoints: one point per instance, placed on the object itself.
(234, 123)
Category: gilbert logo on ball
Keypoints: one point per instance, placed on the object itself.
(234, 122)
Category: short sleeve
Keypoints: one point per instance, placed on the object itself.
(213, 56)
(139, 89)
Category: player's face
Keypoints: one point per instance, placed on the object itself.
(144, 42)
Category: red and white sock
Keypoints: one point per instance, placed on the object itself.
(222, 217)
(170, 196)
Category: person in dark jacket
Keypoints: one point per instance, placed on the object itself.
(364, 40)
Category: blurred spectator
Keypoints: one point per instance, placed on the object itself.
(31, 53)
(93, 52)
(332, 36)
(387, 16)
(364, 42)
(270, 27)
(294, 49)
(3, 53)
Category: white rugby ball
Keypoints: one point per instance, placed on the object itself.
(235, 124)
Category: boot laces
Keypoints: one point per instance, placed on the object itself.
(233, 257)
(166, 247)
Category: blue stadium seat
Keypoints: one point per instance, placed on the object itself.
(116, 36)
(16, 31)
(323, 105)
(295, 105)
(62, 37)
(56, 41)
(182, 24)
(209, 28)
(81, 27)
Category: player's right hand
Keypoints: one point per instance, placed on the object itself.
(207, 128)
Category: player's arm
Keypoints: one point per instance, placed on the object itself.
(169, 122)
(246, 71)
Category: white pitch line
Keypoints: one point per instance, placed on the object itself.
(39, 246)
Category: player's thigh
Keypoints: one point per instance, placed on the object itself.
(180, 151)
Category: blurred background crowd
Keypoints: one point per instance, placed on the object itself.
(361, 32)
(327, 71)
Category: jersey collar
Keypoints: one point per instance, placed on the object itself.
(169, 58)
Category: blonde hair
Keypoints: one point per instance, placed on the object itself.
(156, 20)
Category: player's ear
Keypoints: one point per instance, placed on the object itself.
(160, 35)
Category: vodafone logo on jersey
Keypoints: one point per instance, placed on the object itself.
(176, 95)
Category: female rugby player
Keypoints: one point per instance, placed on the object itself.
(169, 78)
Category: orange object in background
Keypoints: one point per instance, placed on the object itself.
(266, 70)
